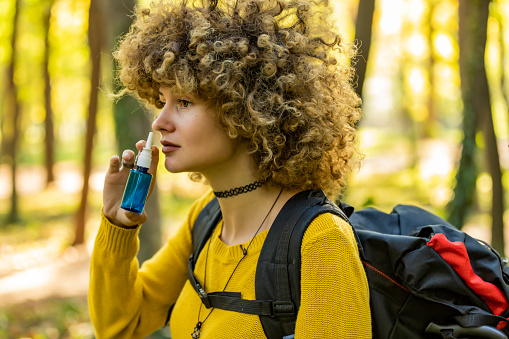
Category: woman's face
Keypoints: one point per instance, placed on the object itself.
(192, 140)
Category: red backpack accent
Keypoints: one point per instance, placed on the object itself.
(456, 255)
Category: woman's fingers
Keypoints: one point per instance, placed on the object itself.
(155, 160)
(134, 218)
(140, 144)
(114, 164)
(127, 159)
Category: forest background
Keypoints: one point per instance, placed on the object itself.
(435, 133)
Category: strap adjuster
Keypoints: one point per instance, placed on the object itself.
(282, 309)
(203, 296)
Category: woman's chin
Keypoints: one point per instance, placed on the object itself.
(172, 167)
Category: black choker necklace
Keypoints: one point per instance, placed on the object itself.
(239, 190)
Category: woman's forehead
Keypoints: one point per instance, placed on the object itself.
(175, 91)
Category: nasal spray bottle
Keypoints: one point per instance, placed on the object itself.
(138, 183)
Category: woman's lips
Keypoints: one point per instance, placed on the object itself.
(170, 148)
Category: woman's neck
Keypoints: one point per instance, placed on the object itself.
(246, 213)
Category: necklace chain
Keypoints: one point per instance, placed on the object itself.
(239, 190)
(197, 330)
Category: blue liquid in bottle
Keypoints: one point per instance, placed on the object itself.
(138, 183)
(136, 190)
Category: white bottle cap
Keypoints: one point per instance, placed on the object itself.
(145, 157)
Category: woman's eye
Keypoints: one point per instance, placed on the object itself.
(183, 103)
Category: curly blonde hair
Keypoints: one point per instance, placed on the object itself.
(276, 73)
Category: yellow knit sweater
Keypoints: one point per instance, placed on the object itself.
(127, 302)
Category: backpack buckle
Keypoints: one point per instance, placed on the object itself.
(204, 297)
(282, 309)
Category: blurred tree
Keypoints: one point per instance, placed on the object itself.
(95, 41)
(409, 125)
(464, 190)
(491, 152)
(13, 115)
(493, 164)
(407, 65)
(504, 87)
(430, 122)
(132, 123)
(363, 27)
(48, 120)
(473, 20)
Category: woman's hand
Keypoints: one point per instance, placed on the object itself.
(114, 184)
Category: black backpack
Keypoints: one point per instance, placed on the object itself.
(411, 258)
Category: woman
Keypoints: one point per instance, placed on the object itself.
(256, 101)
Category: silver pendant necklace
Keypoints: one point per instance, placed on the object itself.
(197, 329)
(196, 333)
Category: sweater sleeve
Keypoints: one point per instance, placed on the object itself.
(334, 288)
(127, 302)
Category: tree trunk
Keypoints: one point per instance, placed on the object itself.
(48, 121)
(464, 190)
(477, 112)
(95, 23)
(132, 124)
(493, 160)
(12, 106)
(482, 106)
(363, 25)
(503, 83)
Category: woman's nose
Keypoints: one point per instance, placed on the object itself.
(164, 122)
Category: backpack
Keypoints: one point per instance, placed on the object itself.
(426, 278)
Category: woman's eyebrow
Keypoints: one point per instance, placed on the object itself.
(161, 96)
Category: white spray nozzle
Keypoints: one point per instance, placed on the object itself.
(145, 157)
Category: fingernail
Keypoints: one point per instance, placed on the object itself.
(127, 155)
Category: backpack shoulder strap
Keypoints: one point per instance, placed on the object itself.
(203, 227)
(278, 270)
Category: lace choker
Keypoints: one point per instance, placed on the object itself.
(239, 190)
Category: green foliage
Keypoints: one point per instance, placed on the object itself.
(47, 319)
(53, 319)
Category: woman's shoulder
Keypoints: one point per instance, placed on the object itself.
(329, 227)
